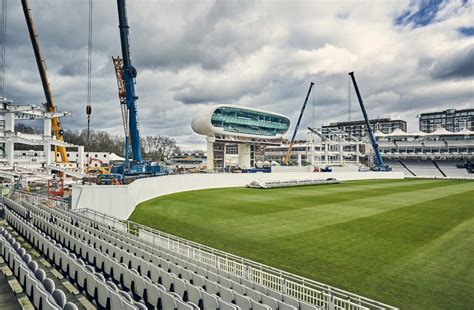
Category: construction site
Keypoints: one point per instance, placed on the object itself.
(255, 221)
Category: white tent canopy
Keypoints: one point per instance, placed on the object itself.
(115, 157)
(441, 132)
(418, 133)
(398, 133)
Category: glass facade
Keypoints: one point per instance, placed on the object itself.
(358, 129)
(452, 120)
(237, 120)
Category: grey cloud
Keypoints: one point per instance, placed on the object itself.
(457, 66)
(191, 54)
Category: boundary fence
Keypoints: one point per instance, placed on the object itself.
(319, 294)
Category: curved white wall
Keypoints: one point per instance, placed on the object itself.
(121, 200)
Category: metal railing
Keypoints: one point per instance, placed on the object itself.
(38, 199)
(307, 290)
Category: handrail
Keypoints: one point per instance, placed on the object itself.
(289, 283)
(307, 290)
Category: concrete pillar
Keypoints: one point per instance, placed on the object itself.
(326, 153)
(299, 159)
(80, 157)
(341, 156)
(47, 145)
(210, 154)
(244, 156)
(357, 153)
(47, 128)
(9, 152)
(10, 121)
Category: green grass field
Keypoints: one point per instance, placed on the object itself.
(408, 243)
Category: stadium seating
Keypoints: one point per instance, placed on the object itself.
(117, 270)
(422, 168)
(39, 288)
(450, 168)
(397, 166)
(428, 168)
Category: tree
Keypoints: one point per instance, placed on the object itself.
(159, 148)
(156, 148)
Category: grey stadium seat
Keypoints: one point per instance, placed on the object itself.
(70, 306)
(40, 275)
(59, 297)
(49, 285)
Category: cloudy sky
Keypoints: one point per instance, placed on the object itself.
(409, 57)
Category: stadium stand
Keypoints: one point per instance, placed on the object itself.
(453, 168)
(423, 168)
(398, 166)
(430, 168)
(116, 271)
(38, 287)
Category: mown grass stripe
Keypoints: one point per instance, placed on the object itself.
(409, 243)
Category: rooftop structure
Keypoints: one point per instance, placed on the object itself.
(235, 134)
(440, 144)
(358, 128)
(324, 147)
(452, 120)
(240, 121)
(14, 164)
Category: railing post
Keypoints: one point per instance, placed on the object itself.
(330, 301)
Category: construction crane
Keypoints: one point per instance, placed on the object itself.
(126, 74)
(50, 106)
(129, 75)
(379, 164)
(286, 160)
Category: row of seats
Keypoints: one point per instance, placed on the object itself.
(38, 287)
(156, 296)
(172, 276)
(105, 293)
(181, 267)
(191, 282)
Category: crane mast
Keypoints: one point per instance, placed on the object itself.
(50, 106)
(290, 147)
(129, 75)
(379, 164)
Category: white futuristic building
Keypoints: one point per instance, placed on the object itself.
(234, 133)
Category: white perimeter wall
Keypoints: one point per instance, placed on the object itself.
(121, 200)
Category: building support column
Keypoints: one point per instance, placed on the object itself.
(210, 153)
(9, 145)
(341, 154)
(47, 145)
(326, 153)
(80, 158)
(357, 154)
(244, 156)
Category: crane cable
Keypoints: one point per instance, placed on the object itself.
(4, 43)
(89, 73)
(349, 103)
(349, 99)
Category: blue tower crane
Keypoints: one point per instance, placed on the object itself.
(379, 164)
